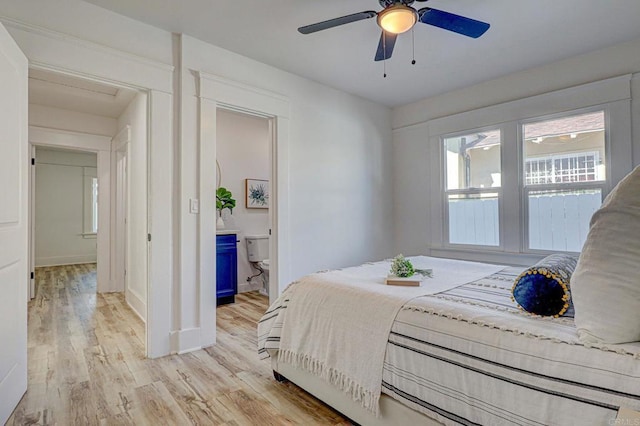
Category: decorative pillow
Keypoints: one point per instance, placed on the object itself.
(606, 282)
(543, 289)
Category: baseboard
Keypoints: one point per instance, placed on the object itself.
(249, 286)
(65, 260)
(184, 341)
(136, 303)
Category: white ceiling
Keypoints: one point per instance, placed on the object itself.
(523, 34)
(75, 94)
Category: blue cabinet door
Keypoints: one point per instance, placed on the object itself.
(226, 268)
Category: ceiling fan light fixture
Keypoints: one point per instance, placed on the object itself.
(397, 19)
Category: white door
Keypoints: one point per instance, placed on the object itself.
(14, 220)
(32, 222)
(121, 218)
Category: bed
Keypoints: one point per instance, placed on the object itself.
(463, 354)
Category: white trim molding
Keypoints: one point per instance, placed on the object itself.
(187, 340)
(72, 55)
(101, 145)
(613, 96)
(160, 223)
(55, 51)
(118, 143)
(64, 260)
(44, 136)
(136, 303)
(217, 92)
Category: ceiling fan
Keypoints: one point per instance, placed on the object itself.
(398, 17)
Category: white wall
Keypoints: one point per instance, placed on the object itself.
(94, 24)
(613, 61)
(59, 208)
(339, 169)
(340, 145)
(243, 144)
(414, 154)
(84, 40)
(341, 161)
(136, 281)
(62, 119)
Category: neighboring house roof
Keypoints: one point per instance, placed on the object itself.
(591, 122)
(485, 139)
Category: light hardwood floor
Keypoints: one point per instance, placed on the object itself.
(87, 366)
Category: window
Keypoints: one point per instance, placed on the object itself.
(472, 187)
(564, 177)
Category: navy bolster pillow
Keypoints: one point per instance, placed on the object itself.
(543, 289)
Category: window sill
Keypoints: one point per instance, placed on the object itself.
(487, 255)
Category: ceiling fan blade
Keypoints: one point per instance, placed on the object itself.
(324, 25)
(385, 46)
(456, 23)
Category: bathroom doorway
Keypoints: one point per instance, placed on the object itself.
(243, 166)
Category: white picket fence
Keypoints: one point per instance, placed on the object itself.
(474, 221)
(561, 222)
(557, 222)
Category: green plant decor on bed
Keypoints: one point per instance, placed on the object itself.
(403, 268)
(224, 200)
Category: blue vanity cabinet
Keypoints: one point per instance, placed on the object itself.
(226, 268)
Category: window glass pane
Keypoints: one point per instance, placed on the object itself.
(565, 150)
(473, 160)
(474, 219)
(559, 220)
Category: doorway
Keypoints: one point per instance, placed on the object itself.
(217, 92)
(65, 207)
(75, 118)
(244, 170)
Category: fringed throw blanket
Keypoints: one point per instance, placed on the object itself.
(336, 324)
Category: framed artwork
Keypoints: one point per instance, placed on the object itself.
(257, 193)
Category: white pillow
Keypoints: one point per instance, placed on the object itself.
(605, 286)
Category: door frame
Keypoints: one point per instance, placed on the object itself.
(119, 217)
(217, 92)
(55, 51)
(81, 142)
(32, 222)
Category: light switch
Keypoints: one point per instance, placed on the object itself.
(194, 205)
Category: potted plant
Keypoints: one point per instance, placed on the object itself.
(224, 200)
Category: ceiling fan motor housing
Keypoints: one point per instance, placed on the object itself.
(387, 3)
(397, 18)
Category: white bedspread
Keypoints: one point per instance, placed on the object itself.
(337, 323)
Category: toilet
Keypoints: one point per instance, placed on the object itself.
(258, 253)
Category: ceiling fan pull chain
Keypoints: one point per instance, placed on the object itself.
(384, 49)
(413, 47)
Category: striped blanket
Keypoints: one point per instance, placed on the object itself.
(351, 311)
(470, 356)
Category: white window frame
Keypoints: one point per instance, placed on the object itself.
(613, 95)
(526, 189)
(469, 191)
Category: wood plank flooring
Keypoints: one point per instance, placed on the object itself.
(87, 366)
